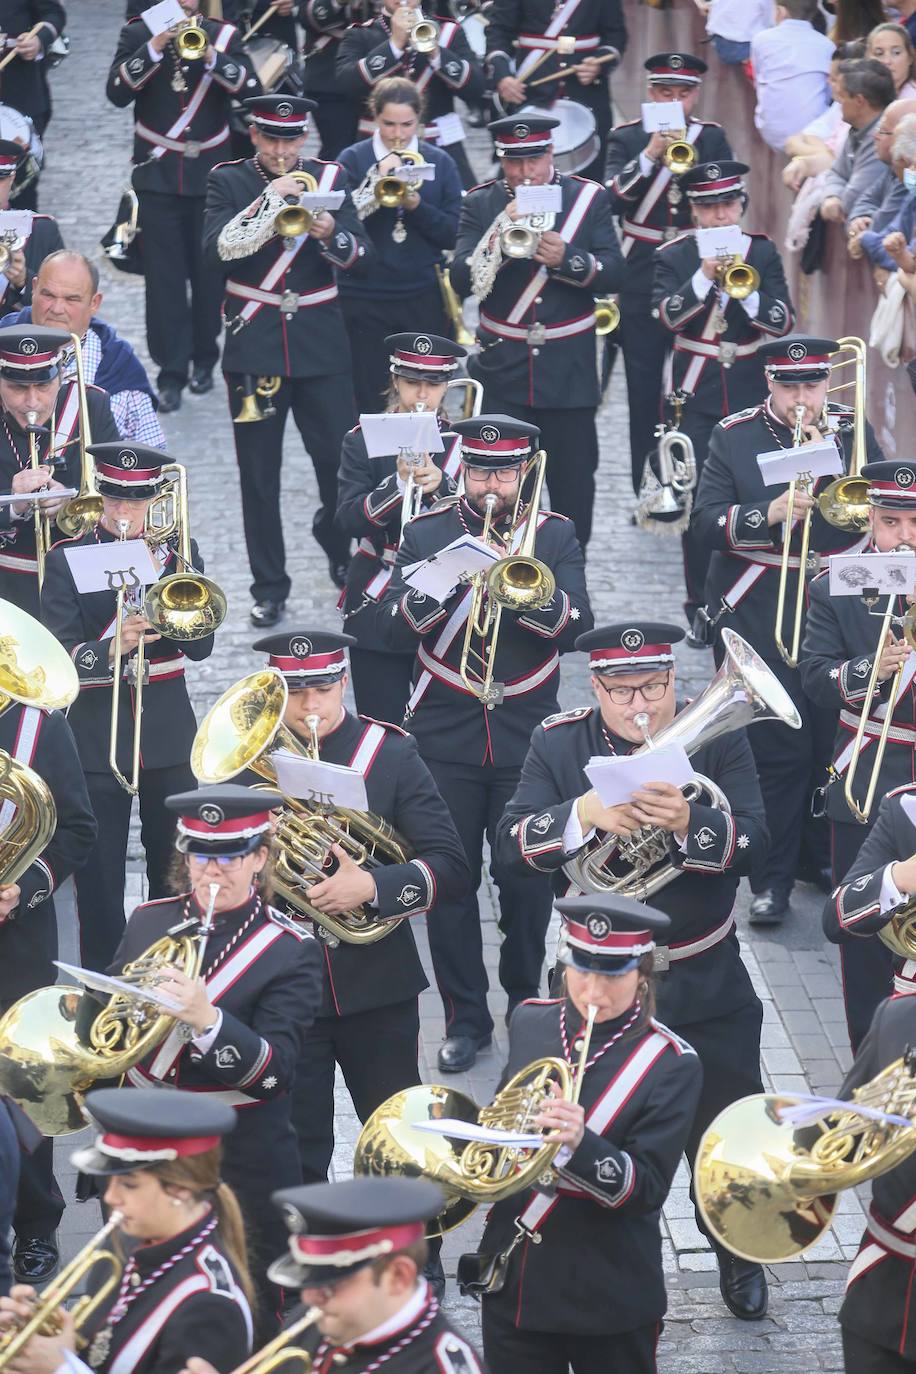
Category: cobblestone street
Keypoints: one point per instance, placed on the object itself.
(630, 573)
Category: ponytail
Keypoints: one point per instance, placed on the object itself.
(232, 1235)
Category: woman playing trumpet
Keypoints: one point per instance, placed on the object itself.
(575, 1277)
(186, 1285)
(375, 498)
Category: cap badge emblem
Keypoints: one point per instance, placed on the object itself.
(632, 639)
(28, 347)
(675, 62)
(797, 351)
(521, 131)
(293, 1219)
(904, 477)
(598, 927)
(300, 648)
(422, 344)
(211, 815)
(285, 110)
(127, 458)
(713, 171)
(489, 434)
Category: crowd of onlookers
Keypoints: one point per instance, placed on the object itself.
(835, 87)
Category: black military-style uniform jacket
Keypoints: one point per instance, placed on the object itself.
(537, 334)
(639, 1092)
(400, 789)
(837, 654)
(854, 910)
(652, 209)
(18, 568)
(300, 333)
(196, 1307)
(519, 30)
(730, 517)
(179, 135)
(44, 238)
(324, 23)
(720, 849)
(424, 1342)
(369, 503)
(448, 721)
(878, 1305)
(24, 85)
(365, 56)
(85, 625)
(720, 372)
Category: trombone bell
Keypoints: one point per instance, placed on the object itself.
(521, 584)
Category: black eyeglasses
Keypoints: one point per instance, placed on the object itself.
(649, 691)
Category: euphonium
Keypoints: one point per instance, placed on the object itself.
(84, 511)
(294, 219)
(744, 690)
(280, 1350)
(607, 315)
(767, 1185)
(44, 1319)
(242, 730)
(191, 40)
(739, 279)
(390, 190)
(665, 501)
(251, 389)
(844, 503)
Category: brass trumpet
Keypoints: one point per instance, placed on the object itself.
(802, 484)
(252, 388)
(391, 191)
(424, 33)
(45, 1316)
(191, 40)
(739, 279)
(844, 503)
(280, 1350)
(412, 500)
(294, 219)
(680, 156)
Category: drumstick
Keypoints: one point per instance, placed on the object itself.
(268, 14)
(565, 71)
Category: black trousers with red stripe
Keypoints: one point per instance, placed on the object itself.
(510, 1351)
(862, 1357)
(867, 964)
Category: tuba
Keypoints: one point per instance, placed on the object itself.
(766, 1184)
(665, 501)
(844, 503)
(243, 729)
(742, 691)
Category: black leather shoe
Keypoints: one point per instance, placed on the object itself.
(820, 878)
(201, 381)
(263, 614)
(337, 571)
(434, 1275)
(35, 1259)
(169, 399)
(743, 1286)
(459, 1052)
(768, 908)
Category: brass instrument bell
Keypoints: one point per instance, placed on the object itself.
(740, 280)
(424, 34)
(844, 503)
(250, 412)
(294, 219)
(391, 191)
(191, 40)
(607, 316)
(680, 156)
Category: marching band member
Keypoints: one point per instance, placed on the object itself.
(370, 507)
(186, 1284)
(42, 237)
(880, 884)
(620, 1145)
(283, 320)
(716, 336)
(537, 326)
(383, 47)
(474, 749)
(243, 1022)
(838, 653)
(369, 1021)
(400, 290)
(24, 80)
(181, 130)
(128, 480)
(584, 39)
(324, 23)
(741, 520)
(704, 991)
(31, 384)
(355, 1256)
(646, 195)
(66, 296)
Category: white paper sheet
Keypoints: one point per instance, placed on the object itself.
(103, 982)
(781, 465)
(663, 116)
(723, 242)
(449, 128)
(439, 576)
(16, 498)
(488, 1135)
(888, 573)
(391, 432)
(409, 171)
(103, 567)
(539, 200)
(322, 200)
(616, 779)
(330, 784)
(162, 16)
(16, 222)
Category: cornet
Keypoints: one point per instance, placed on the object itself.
(392, 190)
(10, 243)
(412, 500)
(680, 156)
(294, 220)
(191, 40)
(739, 280)
(424, 33)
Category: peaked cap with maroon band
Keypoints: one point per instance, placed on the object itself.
(523, 135)
(338, 1228)
(422, 357)
(11, 154)
(496, 441)
(633, 646)
(127, 471)
(714, 181)
(140, 1127)
(228, 820)
(667, 67)
(892, 485)
(281, 116)
(605, 933)
(797, 357)
(307, 658)
(31, 352)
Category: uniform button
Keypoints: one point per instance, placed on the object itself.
(535, 352)
(539, 300)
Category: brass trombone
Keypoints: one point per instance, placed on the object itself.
(515, 582)
(126, 599)
(83, 511)
(802, 483)
(844, 503)
(391, 190)
(45, 1319)
(42, 523)
(251, 389)
(191, 40)
(863, 812)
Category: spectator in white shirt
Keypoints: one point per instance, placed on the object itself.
(814, 149)
(891, 45)
(866, 89)
(731, 24)
(791, 65)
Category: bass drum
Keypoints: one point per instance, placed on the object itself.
(271, 60)
(575, 142)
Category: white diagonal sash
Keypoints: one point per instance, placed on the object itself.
(288, 256)
(220, 43)
(23, 752)
(567, 232)
(553, 30)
